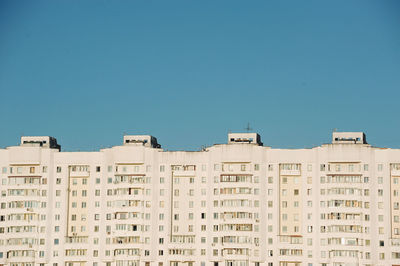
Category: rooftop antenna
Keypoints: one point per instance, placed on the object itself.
(248, 128)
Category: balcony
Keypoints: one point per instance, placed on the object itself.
(183, 170)
(290, 172)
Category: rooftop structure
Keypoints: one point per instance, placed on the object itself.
(349, 138)
(40, 141)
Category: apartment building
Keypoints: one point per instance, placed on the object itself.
(234, 204)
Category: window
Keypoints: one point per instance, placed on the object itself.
(58, 169)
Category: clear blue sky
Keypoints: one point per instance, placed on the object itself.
(188, 72)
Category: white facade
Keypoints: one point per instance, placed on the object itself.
(239, 203)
